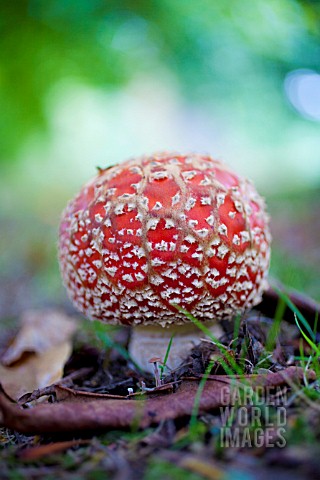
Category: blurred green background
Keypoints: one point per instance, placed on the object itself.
(86, 83)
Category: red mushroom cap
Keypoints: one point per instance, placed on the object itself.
(162, 230)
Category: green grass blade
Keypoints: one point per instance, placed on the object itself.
(236, 330)
(101, 332)
(315, 328)
(196, 404)
(232, 368)
(295, 310)
(201, 326)
(307, 339)
(276, 325)
(162, 367)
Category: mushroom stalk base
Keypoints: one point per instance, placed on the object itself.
(152, 341)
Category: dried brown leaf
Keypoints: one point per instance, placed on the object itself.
(40, 331)
(270, 379)
(51, 389)
(38, 353)
(97, 415)
(70, 395)
(35, 371)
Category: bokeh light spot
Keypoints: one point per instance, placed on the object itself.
(303, 90)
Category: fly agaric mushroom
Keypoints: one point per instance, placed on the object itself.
(155, 232)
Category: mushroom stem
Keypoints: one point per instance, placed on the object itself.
(152, 341)
(156, 374)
